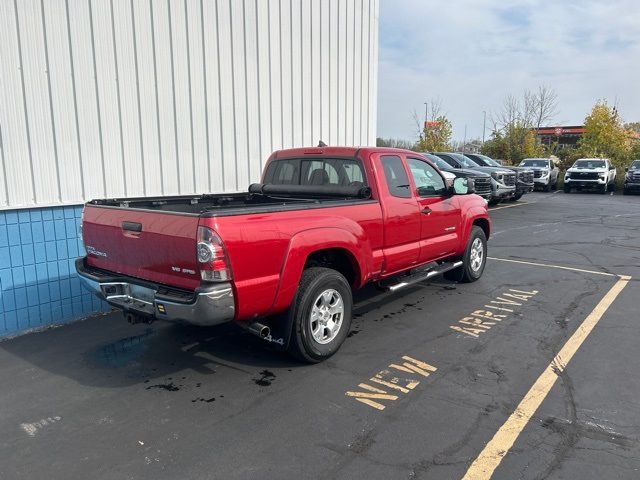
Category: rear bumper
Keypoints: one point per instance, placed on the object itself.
(210, 305)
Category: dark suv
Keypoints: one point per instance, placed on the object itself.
(481, 180)
(503, 181)
(632, 178)
(524, 179)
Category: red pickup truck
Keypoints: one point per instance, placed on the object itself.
(283, 258)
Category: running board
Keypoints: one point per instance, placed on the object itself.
(421, 276)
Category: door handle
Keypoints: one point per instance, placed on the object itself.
(426, 211)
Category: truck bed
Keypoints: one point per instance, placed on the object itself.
(259, 199)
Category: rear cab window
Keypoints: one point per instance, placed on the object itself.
(316, 171)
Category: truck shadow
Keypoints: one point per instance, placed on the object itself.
(105, 351)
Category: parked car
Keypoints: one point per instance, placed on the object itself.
(503, 181)
(591, 173)
(481, 180)
(632, 178)
(545, 172)
(524, 175)
(283, 258)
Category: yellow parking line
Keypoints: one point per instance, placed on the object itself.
(562, 267)
(489, 459)
(508, 206)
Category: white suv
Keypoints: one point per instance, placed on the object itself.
(596, 173)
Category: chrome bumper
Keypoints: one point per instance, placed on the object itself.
(210, 305)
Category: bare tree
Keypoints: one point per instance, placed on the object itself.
(545, 105)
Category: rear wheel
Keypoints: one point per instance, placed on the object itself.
(321, 313)
(473, 260)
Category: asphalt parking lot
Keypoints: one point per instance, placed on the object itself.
(444, 367)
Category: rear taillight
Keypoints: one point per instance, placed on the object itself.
(212, 256)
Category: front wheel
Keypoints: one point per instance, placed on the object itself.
(493, 202)
(473, 260)
(567, 188)
(517, 196)
(604, 189)
(321, 313)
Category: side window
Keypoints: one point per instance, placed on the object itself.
(428, 182)
(283, 172)
(396, 176)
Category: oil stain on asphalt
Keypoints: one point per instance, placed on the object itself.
(266, 378)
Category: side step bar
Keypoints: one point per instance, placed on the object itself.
(422, 275)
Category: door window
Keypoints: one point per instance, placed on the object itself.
(396, 176)
(428, 181)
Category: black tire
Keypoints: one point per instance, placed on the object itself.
(612, 187)
(555, 186)
(546, 188)
(517, 196)
(493, 202)
(465, 273)
(567, 188)
(625, 191)
(604, 189)
(314, 281)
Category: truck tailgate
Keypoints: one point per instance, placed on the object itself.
(155, 246)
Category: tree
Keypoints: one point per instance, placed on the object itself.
(605, 135)
(513, 135)
(436, 135)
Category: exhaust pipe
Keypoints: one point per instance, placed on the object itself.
(257, 329)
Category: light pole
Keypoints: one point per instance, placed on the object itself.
(484, 124)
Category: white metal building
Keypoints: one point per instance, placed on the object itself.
(104, 98)
(113, 98)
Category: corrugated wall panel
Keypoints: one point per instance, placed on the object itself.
(211, 71)
(108, 97)
(112, 98)
(86, 103)
(197, 98)
(148, 97)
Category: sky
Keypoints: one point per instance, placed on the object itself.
(470, 54)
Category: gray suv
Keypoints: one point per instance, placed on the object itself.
(503, 181)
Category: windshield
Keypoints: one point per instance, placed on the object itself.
(489, 161)
(635, 165)
(534, 162)
(466, 161)
(483, 160)
(589, 164)
(441, 164)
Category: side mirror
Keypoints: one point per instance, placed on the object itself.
(463, 186)
(611, 167)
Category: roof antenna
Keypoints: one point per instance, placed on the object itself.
(322, 144)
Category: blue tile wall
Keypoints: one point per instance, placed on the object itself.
(38, 282)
